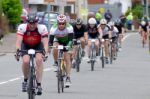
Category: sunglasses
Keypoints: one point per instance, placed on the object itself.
(61, 23)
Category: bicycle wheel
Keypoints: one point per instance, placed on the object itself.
(59, 77)
(111, 54)
(78, 60)
(31, 85)
(92, 59)
(102, 57)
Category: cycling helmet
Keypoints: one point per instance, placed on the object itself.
(79, 21)
(103, 21)
(92, 21)
(143, 23)
(117, 22)
(61, 18)
(32, 18)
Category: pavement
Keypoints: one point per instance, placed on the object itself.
(8, 45)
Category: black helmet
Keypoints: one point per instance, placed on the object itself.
(118, 22)
(79, 21)
(32, 18)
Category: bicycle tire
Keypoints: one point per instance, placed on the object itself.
(78, 60)
(111, 54)
(92, 60)
(31, 90)
(58, 77)
(102, 58)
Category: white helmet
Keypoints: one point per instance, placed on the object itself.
(111, 23)
(103, 21)
(143, 23)
(92, 21)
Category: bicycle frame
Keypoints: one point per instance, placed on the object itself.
(102, 52)
(93, 53)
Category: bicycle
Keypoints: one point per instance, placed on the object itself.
(111, 51)
(93, 54)
(102, 52)
(61, 67)
(78, 56)
(32, 80)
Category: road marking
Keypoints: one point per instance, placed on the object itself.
(18, 78)
(126, 36)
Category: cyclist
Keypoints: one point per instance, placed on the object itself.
(32, 35)
(92, 34)
(114, 31)
(79, 33)
(105, 33)
(143, 29)
(120, 28)
(61, 33)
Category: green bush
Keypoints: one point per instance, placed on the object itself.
(12, 9)
(137, 11)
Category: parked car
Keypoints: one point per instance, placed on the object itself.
(52, 16)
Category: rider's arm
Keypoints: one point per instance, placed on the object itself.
(44, 34)
(100, 32)
(20, 33)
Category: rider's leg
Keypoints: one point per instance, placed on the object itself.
(97, 47)
(89, 47)
(25, 66)
(55, 52)
(39, 67)
(67, 58)
(82, 39)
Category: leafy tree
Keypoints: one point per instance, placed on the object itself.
(12, 9)
(137, 11)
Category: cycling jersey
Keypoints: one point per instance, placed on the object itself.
(144, 27)
(105, 31)
(119, 27)
(114, 32)
(32, 38)
(61, 36)
(93, 32)
(79, 32)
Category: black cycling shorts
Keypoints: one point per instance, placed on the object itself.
(26, 47)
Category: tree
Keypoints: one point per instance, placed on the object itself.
(12, 9)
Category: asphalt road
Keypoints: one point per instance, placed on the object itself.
(127, 78)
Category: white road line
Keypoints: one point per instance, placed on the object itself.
(18, 78)
(126, 36)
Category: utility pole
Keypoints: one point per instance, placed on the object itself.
(147, 4)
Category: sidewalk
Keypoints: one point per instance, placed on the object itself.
(8, 45)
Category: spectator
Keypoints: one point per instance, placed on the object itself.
(108, 15)
(129, 21)
(98, 17)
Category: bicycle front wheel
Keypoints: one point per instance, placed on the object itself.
(31, 86)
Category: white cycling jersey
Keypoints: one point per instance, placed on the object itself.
(115, 32)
